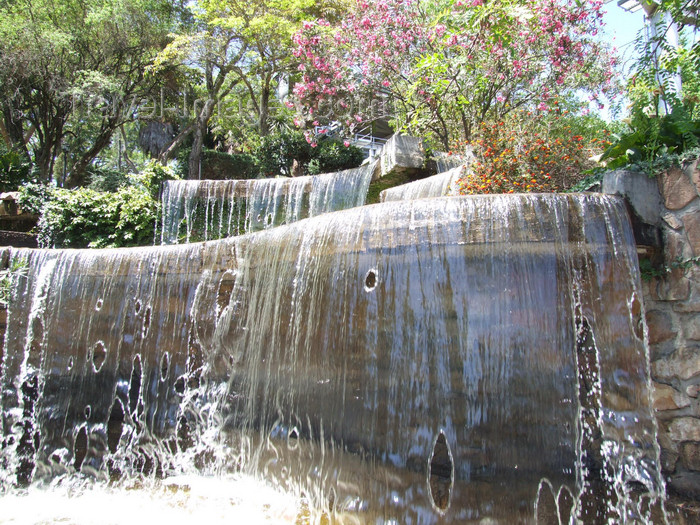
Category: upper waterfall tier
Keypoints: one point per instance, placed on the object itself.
(200, 210)
(440, 185)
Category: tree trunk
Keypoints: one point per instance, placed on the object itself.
(263, 117)
(200, 130)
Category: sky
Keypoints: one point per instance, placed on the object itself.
(621, 29)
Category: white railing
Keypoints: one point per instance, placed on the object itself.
(369, 144)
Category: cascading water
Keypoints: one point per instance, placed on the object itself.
(439, 185)
(434, 361)
(200, 210)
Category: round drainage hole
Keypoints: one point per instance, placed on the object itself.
(371, 280)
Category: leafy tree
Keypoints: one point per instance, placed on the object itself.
(241, 48)
(14, 169)
(445, 66)
(662, 123)
(663, 60)
(70, 72)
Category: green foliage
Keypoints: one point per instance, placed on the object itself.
(590, 182)
(17, 270)
(151, 178)
(15, 170)
(651, 137)
(220, 165)
(33, 195)
(333, 155)
(105, 179)
(70, 72)
(278, 151)
(651, 271)
(86, 218)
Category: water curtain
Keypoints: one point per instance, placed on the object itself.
(201, 210)
(432, 361)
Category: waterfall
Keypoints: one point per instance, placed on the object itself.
(439, 185)
(443, 360)
(202, 210)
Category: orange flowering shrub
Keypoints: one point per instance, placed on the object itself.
(517, 159)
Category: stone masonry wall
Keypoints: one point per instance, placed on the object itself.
(673, 318)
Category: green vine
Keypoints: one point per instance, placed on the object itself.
(649, 271)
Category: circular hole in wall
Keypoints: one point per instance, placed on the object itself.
(440, 474)
(565, 504)
(371, 280)
(99, 354)
(137, 306)
(293, 438)
(184, 437)
(87, 411)
(180, 383)
(98, 304)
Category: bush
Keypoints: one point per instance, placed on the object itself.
(512, 157)
(275, 156)
(104, 179)
(217, 165)
(278, 151)
(333, 155)
(87, 218)
(650, 137)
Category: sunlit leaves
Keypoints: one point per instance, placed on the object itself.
(449, 65)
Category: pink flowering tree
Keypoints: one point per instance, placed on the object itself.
(442, 67)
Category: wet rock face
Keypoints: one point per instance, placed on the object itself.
(673, 318)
